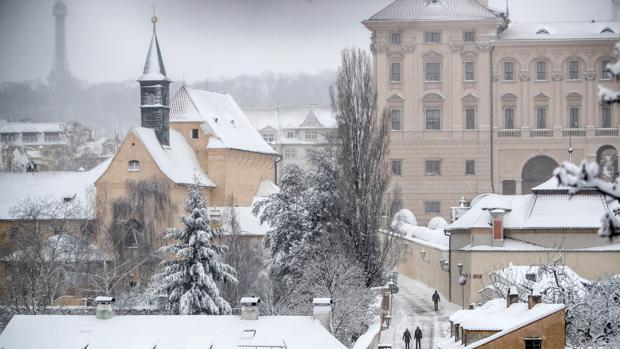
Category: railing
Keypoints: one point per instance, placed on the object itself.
(603, 132)
(509, 133)
(573, 132)
(541, 133)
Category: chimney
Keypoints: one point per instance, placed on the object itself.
(104, 307)
(249, 308)
(513, 296)
(497, 216)
(534, 298)
(322, 311)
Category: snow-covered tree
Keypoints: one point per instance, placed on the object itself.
(362, 142)
(189, 276)
(287, 218)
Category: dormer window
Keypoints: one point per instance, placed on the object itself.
(290, 134)
(268, 137)
(542, 31)
(194, 133)
(134, 165)
(248, 334)
(607, 30)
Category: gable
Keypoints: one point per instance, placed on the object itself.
(311, 121)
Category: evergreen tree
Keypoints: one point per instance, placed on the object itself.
(188, 277)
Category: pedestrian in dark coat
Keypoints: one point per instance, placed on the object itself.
(436, 300)
(407, 338)
(418, 338)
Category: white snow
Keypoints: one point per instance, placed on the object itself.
(437, 223)
(23, 186)
(432, 238)
(405, 216)
(164, 332)
(561, 31)
(547, 208)
(266, 188)
(497, 318)
(221, 117)
(176, 161)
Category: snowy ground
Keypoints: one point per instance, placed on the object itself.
(412, 307)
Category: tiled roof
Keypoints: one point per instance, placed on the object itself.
(427, 10)
(561, 31)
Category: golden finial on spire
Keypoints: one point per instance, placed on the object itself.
(154, 18)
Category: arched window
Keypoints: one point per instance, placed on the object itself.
(542, 31)
(607, 158)
(607, 30)
(134, 165)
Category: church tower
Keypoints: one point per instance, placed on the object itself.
(60, 75)
(154, 92)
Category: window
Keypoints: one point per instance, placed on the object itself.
(431, 207)
(469, 36)
(432, 37)
(470, 71)
(248, 334)
(433, 119)
(509, 187)
(195, 134)
(509, 118)
(433, 167)
(509, 71)
(573, 114)
(134, 165)
(290, 153)
(530, 277)
(268, 137)
(470, 118)
(541, 70)
(395, 38)
(395, 72)
(433, 71)
(290, 134)
(51, 136)
(395, 115)
(573, 70)
(605, 74)
(29, 137)
(132, 230)
(397, 167)
(606, 116)
(470, 167)
(541, 117)
(533, 343)
(14, 233)
(8, 137)
(311, 135)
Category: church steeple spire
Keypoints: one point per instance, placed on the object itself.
(155, 91)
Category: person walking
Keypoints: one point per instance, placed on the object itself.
(418, 338)
(436, 300)
(407, 338)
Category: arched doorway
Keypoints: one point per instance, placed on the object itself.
(607, 158)
(536, 171)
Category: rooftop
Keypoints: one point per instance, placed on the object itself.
(220, 116)
(561, 31)
(37, 127)
(434, 10)
(163, 332)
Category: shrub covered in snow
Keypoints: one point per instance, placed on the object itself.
(437, 223)
(404, 216)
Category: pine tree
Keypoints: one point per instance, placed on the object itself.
(188, 277)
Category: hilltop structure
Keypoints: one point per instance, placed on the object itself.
(480, 104)
(60, 76)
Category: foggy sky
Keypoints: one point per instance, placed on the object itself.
(107, 40)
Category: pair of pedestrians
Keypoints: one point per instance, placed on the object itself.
(417, 335)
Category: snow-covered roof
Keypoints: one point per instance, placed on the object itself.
(511, 245)
(428, 10)
(177, 161)
(220, 116)
(548, 208)
(249, 224)
(561, 31)
(23, 186)
(165, 332)
(553, 186)
(497, 317)
(432, 238)
(37, 127)
(280, 118)
(266, 188)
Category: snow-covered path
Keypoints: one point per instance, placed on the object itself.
(412, 307)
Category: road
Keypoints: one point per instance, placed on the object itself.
(412, 307)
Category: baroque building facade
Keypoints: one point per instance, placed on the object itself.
(479, 104)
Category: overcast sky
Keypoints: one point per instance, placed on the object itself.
(107, 39)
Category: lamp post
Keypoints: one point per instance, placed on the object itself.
(462, 282)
